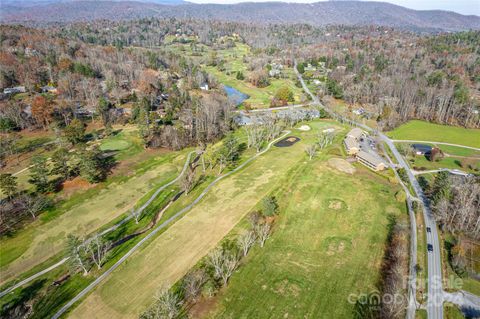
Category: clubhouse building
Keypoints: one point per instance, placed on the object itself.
(353, 147)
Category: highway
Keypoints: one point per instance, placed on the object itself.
(435, 290)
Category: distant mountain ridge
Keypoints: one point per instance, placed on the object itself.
(319, 14)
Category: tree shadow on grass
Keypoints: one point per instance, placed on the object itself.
(18, 307)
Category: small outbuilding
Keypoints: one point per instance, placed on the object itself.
(422, 149)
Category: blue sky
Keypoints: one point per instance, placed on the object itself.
(460, 6)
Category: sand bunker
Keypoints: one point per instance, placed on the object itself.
(335, 205)
(341, 165)
(304, 128)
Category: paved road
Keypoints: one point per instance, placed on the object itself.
(463, 299)
(106, 231)
(288, 107)
(433, 142)
(435, 291)
(27, 280)
(157, 229)
(451, 171)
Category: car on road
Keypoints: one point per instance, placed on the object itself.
(430, 247)
(429, 230)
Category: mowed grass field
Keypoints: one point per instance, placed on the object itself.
(327, 243)
(83, 215)
(130, 289)
(424, 131)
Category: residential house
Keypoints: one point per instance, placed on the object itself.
(422, 149)
(15, 90)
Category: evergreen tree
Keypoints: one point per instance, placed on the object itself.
(270, 206)
(8, 185)
(75, 131)
(60, 163)
(93, 165)
(441, 187)
(39, 174)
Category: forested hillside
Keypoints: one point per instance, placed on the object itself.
(319, 14)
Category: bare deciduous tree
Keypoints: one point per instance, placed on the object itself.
(35, 204)
(166, 305)
(193, 284)
(311, 150)
(263, 232)
(188, 179)
(77, 254)
(135, 213)
(98, 249)
(230, 263)
(246, 241)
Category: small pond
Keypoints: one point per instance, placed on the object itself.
(234, 95)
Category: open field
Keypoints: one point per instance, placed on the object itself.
(447, 162)
(424, 131)
(167, 258)
(327, 243)
(82, 214)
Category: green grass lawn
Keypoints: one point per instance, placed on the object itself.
(318, 255)
(131, 287)
(459, 151)
(424, 131)
(446, 162)
(421, 314)
(452, 312)
(47, 299)
(127, 143)
(82, 213)
(258, 97)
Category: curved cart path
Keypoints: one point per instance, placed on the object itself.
(102, 277)
(106, 231)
